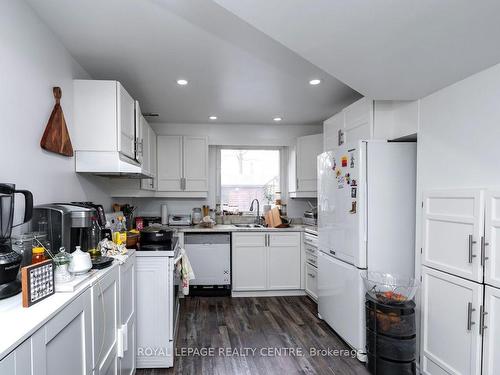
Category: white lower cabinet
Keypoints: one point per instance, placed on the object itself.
(105, 323)
(18, 362)
(154, 315)
(491, 337)
(451, 338)
(266, 261)
(64, 344)
(311, 281)
(127, 320)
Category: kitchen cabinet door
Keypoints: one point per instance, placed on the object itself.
(153, 313)
(451, 342)
(141, 135)
(358, 121)
(169, 163)
(452, 230)
(308, 149)
(126, 121)
(126, 332)
(312, 281)
(331, 128)
(105, 323)
(18, 362)
(283, 271)
(64, 344)
(195, 156)
(249, 262)
(491, 245)
(491, 343)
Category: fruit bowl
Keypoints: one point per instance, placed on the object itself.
(389, 289)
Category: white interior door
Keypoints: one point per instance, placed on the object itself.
(169, 163)
(451, 343)
(491, 353)
(491, 246)
(452, 230)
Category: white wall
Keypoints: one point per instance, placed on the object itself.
(225, 135)
(32, 61)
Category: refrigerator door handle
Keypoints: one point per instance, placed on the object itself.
(471, 243)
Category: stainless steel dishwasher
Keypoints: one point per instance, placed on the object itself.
(210, 257)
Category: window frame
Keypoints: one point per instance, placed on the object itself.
(283, 155)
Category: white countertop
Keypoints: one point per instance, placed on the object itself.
(18, 323)
(233, 228)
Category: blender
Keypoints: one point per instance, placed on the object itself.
(9, 259)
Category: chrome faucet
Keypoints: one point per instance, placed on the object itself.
(257, 218)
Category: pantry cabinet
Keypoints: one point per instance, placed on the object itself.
(491, 246)
(302, 167)
(358, 120)
(266, 261)
(453, 230)
(451, 338)
(64, 344)
(183, 165)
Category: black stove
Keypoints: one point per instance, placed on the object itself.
(169, 245)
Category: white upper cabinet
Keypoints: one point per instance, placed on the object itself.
(331, 129)
(491, 244)
(451, 334)
(302, 167)
(104, 117)
(368, 119)
(358, 120)
(183, 165)
(453, 230)
(150, 158)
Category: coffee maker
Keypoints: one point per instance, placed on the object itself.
(66, 225)
(9, 259)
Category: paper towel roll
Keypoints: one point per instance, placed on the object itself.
(164, 214)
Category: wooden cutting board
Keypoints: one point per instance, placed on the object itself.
(56, 136)
(275, 217)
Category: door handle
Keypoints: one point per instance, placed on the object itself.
(332, 252)
(311, 275)
(471, 243)
(484, 258)
(470, 310)
(482, 315)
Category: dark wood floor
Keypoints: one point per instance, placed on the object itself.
(267, 325)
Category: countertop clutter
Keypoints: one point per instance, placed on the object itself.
(241, 228)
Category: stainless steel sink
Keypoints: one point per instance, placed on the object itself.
(248, 226)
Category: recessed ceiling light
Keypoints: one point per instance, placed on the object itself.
(213, 117)
(314, 82)
(277, 119)
(182, 82)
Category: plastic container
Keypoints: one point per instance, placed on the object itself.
(389, 289)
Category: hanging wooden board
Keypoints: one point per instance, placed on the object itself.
(56, 137)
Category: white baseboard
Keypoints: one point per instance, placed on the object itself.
(269, 293)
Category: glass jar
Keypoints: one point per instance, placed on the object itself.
(38, 255)
(62, 260)
(196, 217)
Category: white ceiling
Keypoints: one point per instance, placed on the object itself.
(385, 49)
(235, 71)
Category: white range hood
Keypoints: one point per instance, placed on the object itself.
(109, 164)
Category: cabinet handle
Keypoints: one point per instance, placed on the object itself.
(183, 183)
(470, 310)
(268, 240)
(482, 315)
(471, 242)
(332, 252)
(484, 258)
(297, 183)
(311, 275)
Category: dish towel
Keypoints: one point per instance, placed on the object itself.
(185, 271)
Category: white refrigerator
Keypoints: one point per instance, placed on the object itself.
(366, 220)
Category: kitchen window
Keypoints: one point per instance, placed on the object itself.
(246, 174)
